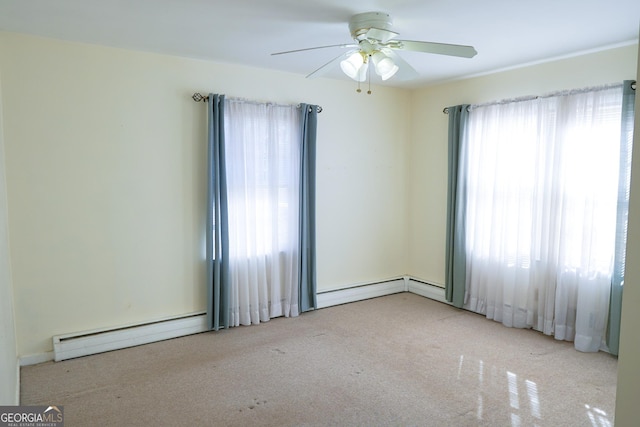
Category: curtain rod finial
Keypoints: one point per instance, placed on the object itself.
(198, 97)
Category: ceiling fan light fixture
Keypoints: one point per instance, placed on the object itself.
(376, 42)
(355, 66)
(385, 67)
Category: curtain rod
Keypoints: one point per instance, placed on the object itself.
(198, 97)
(446, 109)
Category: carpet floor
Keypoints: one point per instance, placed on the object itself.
(399, 360)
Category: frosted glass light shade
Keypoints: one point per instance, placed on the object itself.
(385, 67)
(355, 66)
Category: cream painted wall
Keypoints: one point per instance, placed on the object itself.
(628, 387)
(428, 138)
(8, 353)
(105, 172)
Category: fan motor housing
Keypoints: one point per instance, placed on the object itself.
(360, 23)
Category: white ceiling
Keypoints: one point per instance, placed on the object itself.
(506, 33)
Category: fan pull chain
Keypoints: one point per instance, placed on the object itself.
(369, 81)
(369, 78)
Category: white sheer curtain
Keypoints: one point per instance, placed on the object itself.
(541, 212)
(263, 181)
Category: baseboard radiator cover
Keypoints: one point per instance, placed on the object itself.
(80, 344)
(381, 288)
(360, 292)
(427, 290)
(99, 341)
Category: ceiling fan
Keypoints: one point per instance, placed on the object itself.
(376, 43)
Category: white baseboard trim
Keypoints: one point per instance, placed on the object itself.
(34, 359)
(361, 292)
(98, 341)
(17, 399)
(70, 346)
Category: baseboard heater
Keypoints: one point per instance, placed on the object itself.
(360, 292)
(80, 344)
(426, 290)
(101, 340)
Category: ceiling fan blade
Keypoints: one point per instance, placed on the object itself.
(314, 48)
(381, 35)
(405, 71)
(429, 47)
(326, 67)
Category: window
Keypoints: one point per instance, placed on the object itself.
(262, 160)
(263, 168)
(261, 197)
(541, 177)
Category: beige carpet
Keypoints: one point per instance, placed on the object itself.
(400, 360)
